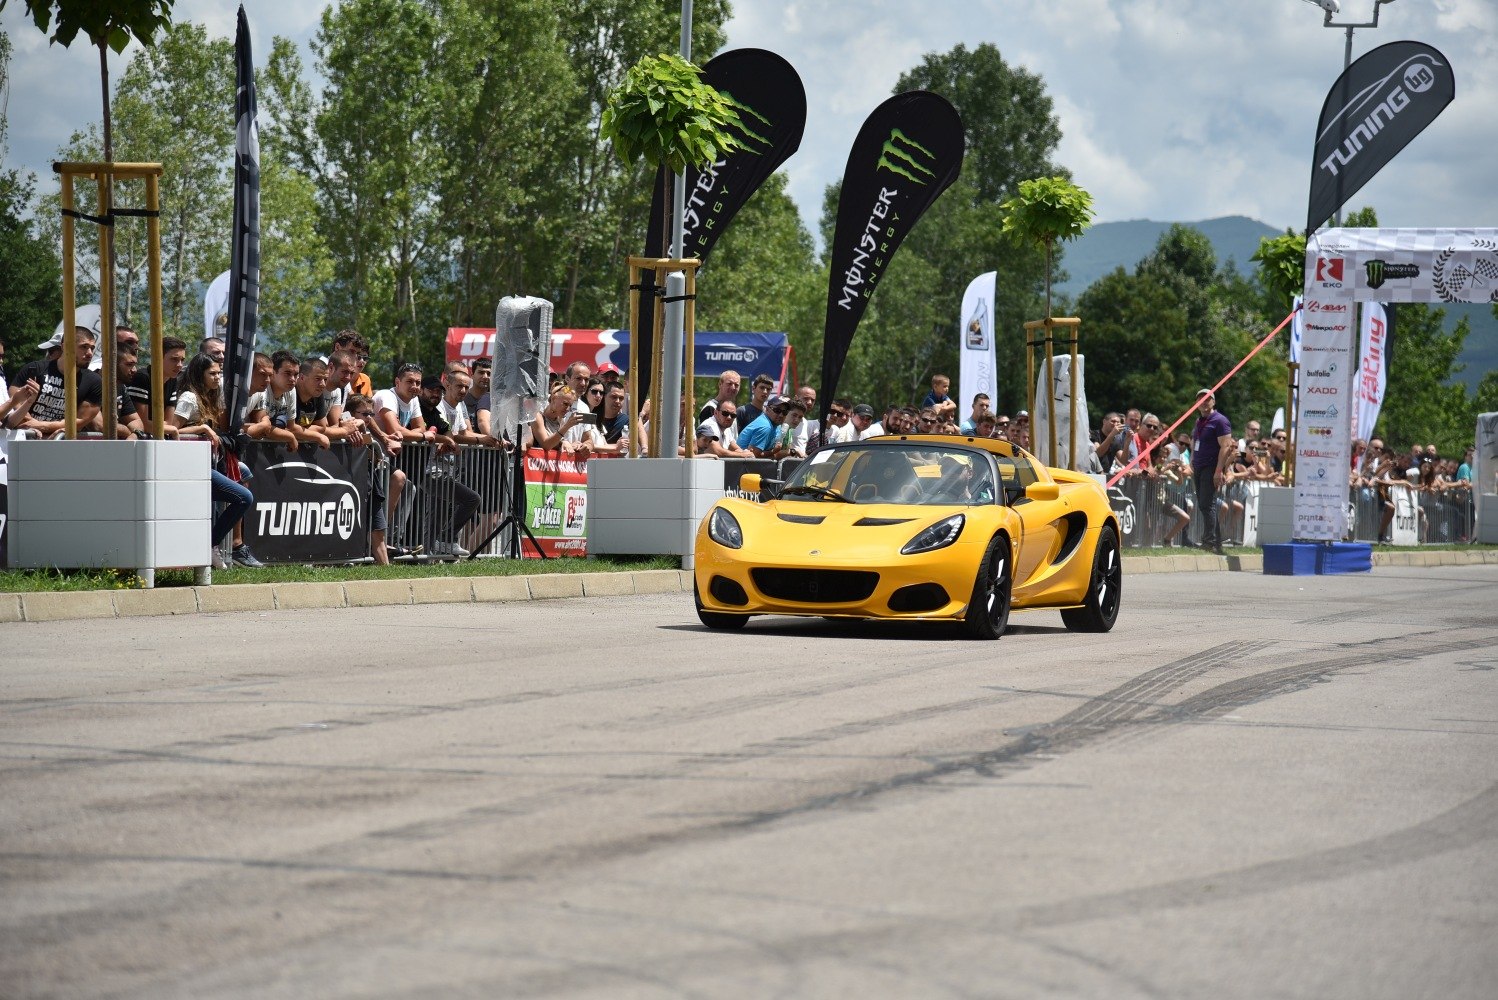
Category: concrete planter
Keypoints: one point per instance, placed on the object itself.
(120, 504)
(650, 506)
(1276, 515)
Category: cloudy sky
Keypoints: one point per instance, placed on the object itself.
(1174, 110)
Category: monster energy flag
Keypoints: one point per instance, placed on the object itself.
(244, 256)
(907, 153)
(1375, 108)
(770, 86)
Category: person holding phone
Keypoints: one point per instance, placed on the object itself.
(560, 426)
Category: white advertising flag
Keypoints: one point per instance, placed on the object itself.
(1368, 390)
(978, 369)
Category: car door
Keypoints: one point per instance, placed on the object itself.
(1037, 520)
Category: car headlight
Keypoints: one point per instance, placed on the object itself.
(723, 528)
(937, 536)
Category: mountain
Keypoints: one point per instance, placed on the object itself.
(1109, 245)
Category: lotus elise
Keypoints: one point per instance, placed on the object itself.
(914, 527)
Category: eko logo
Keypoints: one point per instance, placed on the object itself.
(1329, 271)
(894, 157)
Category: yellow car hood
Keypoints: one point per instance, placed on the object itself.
(782, 532)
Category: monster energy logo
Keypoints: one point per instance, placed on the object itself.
(1380, 271)
(896, 160)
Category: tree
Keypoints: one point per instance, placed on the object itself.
(1048, 211)
(1421, 403)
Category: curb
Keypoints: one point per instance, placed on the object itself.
(74, 605)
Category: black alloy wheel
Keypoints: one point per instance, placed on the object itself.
(988, 608)
(1099, 608)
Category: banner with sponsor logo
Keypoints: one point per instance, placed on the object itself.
(749, 354)
(1375, 108)
(907, 153)
(556, 503)
(311, 505)
(244, 256)
(770, 87)
(977, 365)
(1373, 367)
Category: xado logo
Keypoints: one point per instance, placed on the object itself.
(1329, 271)
(894, 157)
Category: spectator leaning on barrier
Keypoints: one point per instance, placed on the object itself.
(315, 415)
(613, 424)
(761, 438)
(840, 429)
(199, 412)
(808, 429)
(554, 426)
(272, 411)
(48, 412)
(728, 391)
(759, 393)
(795, 419)
(480, 375)
(127, 421)
(862, 422)
(358, 348)
(340, 378)
(1211, 449)
(719, 434)
(360, 410)
(980, 407)
(173, 360)
(15, 403)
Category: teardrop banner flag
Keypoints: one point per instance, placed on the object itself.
(1375, 108)
(244, 257)
(768, 85)
(908, 152)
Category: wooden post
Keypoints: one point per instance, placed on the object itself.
(631, 381)
(1290, 424)
(657, 360)
(689, 342)
(69, 337)
(106, 344)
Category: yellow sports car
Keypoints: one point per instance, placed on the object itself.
(914, 527)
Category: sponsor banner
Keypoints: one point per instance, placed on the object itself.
(770, 87)
(311, 505)
(749, 354)
(244, 255)
(1405, 528)
(978, 365)
(1375, 108)
(1325, 406)
(556, 503)
(907, 153)
(1373, 369)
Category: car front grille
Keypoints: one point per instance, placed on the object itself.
(815, 586)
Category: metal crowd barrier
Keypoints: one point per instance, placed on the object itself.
(420, 522)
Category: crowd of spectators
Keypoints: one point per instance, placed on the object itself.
(326, 399)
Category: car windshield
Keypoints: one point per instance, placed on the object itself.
(914, 475)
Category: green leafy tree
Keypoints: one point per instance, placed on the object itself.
(1282, 265)
(30, 286)
(1422, 403)
(1048, 211)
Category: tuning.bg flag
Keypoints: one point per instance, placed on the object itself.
(908, 152)
(244, 257)
(1375, 108)
(771, 86)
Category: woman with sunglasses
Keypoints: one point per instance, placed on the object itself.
(200, 412)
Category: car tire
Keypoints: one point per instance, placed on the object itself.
(1100, 606)
(987, 614)
(716, 619)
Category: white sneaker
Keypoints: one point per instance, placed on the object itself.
(453, 548)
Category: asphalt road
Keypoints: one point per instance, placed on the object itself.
(1255, 787)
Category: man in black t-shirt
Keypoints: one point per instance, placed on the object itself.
(48, 413)
(173, 360)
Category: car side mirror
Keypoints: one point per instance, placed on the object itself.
(1043, 491)
(749, 483)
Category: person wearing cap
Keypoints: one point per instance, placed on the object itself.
(840, 429)
(863, 422)
(1211, 450)
(718, 434)
(762, 437)
(48, 411)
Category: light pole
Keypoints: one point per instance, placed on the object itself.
(1332, 9)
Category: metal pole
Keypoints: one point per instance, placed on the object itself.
(1346, 62)
(631, 378)
(669, 417)
(1072, 406)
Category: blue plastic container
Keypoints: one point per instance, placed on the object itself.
(1344, 557)
(1291, 559)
